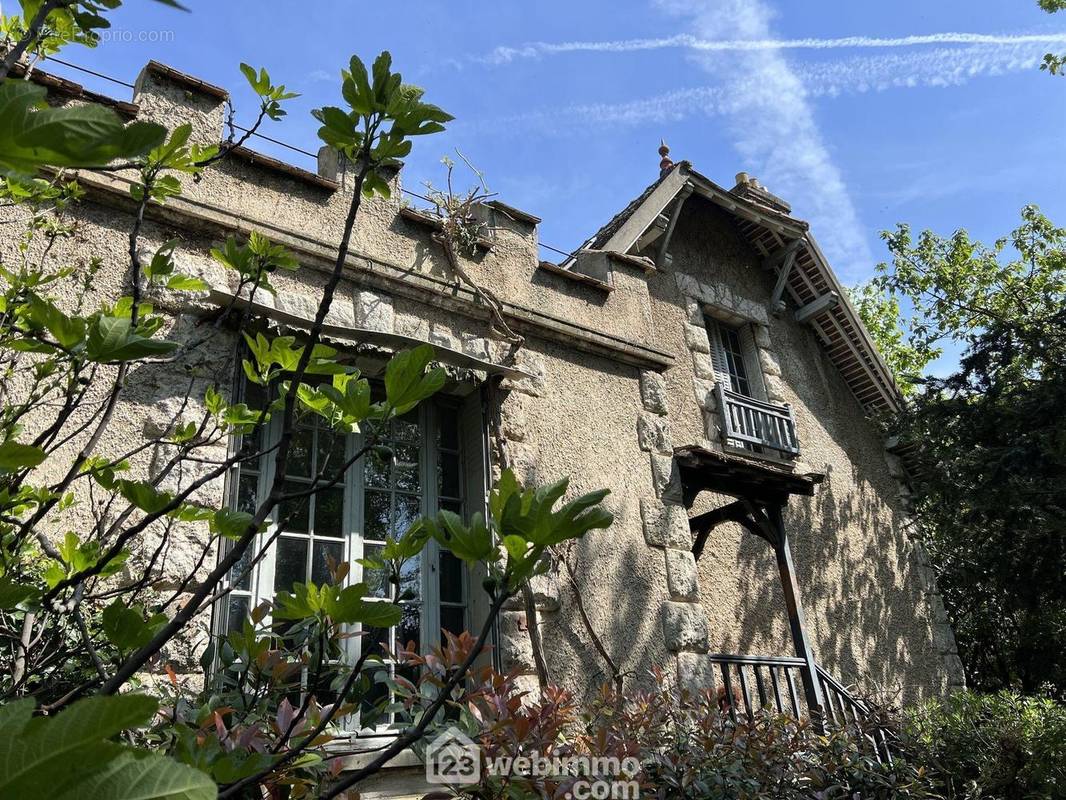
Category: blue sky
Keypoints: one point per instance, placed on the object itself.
(562, 105)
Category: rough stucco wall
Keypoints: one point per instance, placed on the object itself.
(622, 581)
(869, 619)
(583, 415)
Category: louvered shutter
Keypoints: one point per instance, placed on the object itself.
(718, 361)
(751, 362)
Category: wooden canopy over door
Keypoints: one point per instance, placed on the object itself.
(761, 493)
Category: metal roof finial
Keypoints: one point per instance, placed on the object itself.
(666, 164)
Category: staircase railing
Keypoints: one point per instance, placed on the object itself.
(750, 683)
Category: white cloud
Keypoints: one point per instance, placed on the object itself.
(938, 68)
(505, 54)
(773, 126)
(321, 76)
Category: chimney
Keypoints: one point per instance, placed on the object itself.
(749, 188)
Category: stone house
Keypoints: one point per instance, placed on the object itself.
(697, 356)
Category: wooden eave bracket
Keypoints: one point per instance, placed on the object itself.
(787, 257)
(820, 305)
(663, 258)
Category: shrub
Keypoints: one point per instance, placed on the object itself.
(681, 745)
(992, 746)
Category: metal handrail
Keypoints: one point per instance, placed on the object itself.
(748, 683)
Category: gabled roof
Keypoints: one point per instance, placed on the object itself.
(769, 231)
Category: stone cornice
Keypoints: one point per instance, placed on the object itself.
(371, 271)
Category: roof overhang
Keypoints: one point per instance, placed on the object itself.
(810, 281)
(706, 470)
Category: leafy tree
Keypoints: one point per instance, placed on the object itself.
(906, 358)
(1055, 64)
(989, 441)
(82, 622)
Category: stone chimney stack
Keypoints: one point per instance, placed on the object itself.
(749, 188)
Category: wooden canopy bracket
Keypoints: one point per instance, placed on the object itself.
(766, 520)
(780, 255)
(703, 524)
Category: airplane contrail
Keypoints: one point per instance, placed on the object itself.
(684, 41)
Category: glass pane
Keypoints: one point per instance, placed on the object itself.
(330, 450)
(448, 474)
(378, 640)
(408, 474)
(300, 452)
(409, 630)
(376, 580)
(411, 579)
(408, 509)
(320, 555)
(290, 565)
(246, 491)
(407, 427)
(329, 512)
(240, 574)
(448, 428)
(377, 468)
(376, 515)
(453, 619)
(451, 578)
(294, 515)
(454, 506)
(321, 686)
(249, 445)
(238, 612)
(378, 694)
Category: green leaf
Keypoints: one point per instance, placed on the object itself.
(70, 755)
(15, 456)
(144, 496)
(33, 135)
(114, 339)
(125, 626)
(343, 605)
(406, 381)
(186, 283)
(144, 777)
(12, 594)
(230, 524)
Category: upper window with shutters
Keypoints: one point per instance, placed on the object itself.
(748, 420)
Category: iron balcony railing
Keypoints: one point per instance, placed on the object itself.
(756, 423)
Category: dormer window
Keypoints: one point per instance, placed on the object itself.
(731, 357)
(748, 421)
(735, 358)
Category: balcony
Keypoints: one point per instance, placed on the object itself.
(754, 423)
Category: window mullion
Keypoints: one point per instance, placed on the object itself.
(264, 574)
(431, 552)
